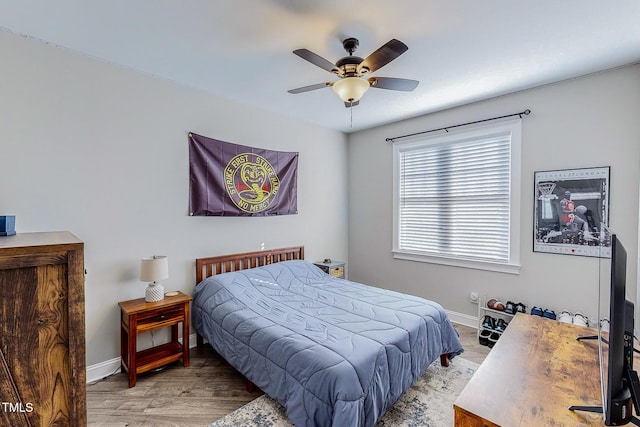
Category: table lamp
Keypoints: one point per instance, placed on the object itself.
(153, 270)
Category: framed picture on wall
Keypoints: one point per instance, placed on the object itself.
(571, 212)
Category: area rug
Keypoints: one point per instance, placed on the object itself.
(428, 403)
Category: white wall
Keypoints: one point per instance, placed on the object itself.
(586, 122)
(102, 152)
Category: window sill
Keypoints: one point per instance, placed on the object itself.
(457, 262)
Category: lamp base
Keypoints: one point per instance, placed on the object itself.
(154, 292)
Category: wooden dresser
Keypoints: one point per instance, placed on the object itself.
(532, 375)
(42, 345)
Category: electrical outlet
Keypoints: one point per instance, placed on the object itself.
(473, 297)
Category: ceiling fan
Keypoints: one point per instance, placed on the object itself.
(352, 69)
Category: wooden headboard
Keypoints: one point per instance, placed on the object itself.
(206, 267)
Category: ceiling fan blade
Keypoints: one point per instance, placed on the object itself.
(381, 57)
(393, 83)
(316, 60)
(310, 87)
(348, 104)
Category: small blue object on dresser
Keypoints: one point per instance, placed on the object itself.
(7, 225)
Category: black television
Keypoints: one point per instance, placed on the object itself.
(620, 385)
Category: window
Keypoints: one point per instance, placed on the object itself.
(457, 198)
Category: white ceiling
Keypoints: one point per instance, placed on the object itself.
(460, 50)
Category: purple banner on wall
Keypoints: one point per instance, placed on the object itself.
(227, 179)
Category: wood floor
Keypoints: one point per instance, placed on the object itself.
(195, 396)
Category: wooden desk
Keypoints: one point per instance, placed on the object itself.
(533, 374)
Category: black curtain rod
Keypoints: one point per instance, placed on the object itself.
(446, 128)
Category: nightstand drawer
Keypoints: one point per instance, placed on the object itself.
(160, 318)
(337, 271)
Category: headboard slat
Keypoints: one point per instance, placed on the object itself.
(205, 267)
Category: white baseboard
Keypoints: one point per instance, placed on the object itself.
(102, 370)
(463, 319)
(109, 367)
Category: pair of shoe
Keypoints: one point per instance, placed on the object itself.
(513, 308)
(488, 338)
(498, 325)
(489, 322)
(546, 313)
(576, 319)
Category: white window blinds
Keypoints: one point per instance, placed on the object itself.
(454, 197)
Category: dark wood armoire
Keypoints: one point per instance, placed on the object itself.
(42, 328)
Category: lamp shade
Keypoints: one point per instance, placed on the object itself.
(351, 89)
(154, 269)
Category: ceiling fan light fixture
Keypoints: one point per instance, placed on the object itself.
(351, 89)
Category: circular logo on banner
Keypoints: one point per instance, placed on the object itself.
(251, 182)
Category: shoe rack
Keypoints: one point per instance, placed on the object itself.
(483, 310)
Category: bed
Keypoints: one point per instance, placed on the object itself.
(331, 351)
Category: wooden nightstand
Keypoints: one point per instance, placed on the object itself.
(334, 268)
(139, 316)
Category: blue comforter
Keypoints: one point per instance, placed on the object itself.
(331, 351)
